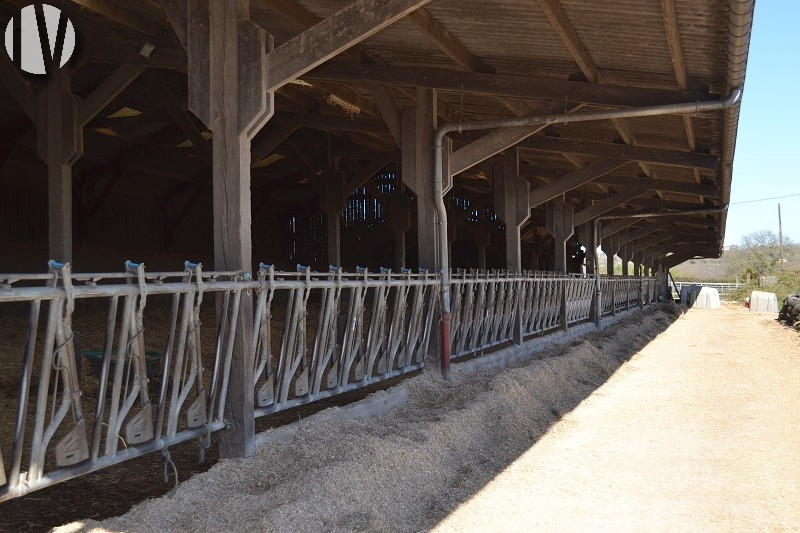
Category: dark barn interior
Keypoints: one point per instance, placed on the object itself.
(139, 183)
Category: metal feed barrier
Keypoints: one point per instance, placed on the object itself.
(495, 308)
(67, 440)
(366, 328)
(314, 335)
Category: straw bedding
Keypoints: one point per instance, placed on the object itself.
(406, 470)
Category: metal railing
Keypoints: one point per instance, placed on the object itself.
(721, 287)
(495, 308)
(162, 345)
(314, 336)
(318, 335)
(134, 409)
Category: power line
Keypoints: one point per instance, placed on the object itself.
(765, 199)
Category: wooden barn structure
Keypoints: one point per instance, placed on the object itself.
(435, 134)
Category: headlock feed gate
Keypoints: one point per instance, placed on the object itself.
(314, 335)
(430, 134)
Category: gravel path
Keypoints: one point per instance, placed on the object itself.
(698, 430)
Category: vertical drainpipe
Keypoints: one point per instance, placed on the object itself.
(438, 195)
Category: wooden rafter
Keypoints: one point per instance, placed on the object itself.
(125, 17)
(630, 182)
(679, 65)
(569, 36)
(622, 151)
(107, 91)
(185, 122)
(502, 85)
(604, 206)
(573, 180)
(337, 33)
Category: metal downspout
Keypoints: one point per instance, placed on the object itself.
(532, 120)
(740, 24)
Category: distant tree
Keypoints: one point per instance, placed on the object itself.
(759, 253)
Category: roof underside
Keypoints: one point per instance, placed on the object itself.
(623, 44)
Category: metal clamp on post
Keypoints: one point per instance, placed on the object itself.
(138, 270)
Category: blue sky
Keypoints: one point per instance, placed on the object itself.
(767, 152)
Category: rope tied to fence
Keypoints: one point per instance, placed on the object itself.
(203, 444)
(167, 463)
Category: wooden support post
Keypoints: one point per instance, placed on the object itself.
(418, 127)
(399, 211)
(511, 193)
(610, 246)
(228, 92)
(558, 214)
(60, 144)
(483, 236)
(333, 225)
(586, 237)
(624, 254)
(332, 201)
(637, 264)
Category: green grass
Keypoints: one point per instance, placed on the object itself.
(788, 282)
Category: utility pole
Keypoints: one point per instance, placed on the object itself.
(780, 236)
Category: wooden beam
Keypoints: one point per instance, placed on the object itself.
(621, 151)
(674, 42)
(679, 65)
(19, 88)
(176, 14)
(496, 141)
(125, 17)
(390, 111)
(654, 240)
(569, 36)
(561, 24)
(639, 233)
(675, 243)
(631, 182)
(605, 206)
(184, 121)
(362, 175)
(459, 53)
(272, 136)
(573, 180)
(502, 85)
(609, 228)
(681, 256)
(337, 123)
(332, 36)
(109, 89)
(292, 12)
(446, 42)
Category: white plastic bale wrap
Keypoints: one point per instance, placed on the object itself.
(766, 302)
(701, 297)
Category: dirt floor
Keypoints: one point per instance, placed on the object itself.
(698, 430)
